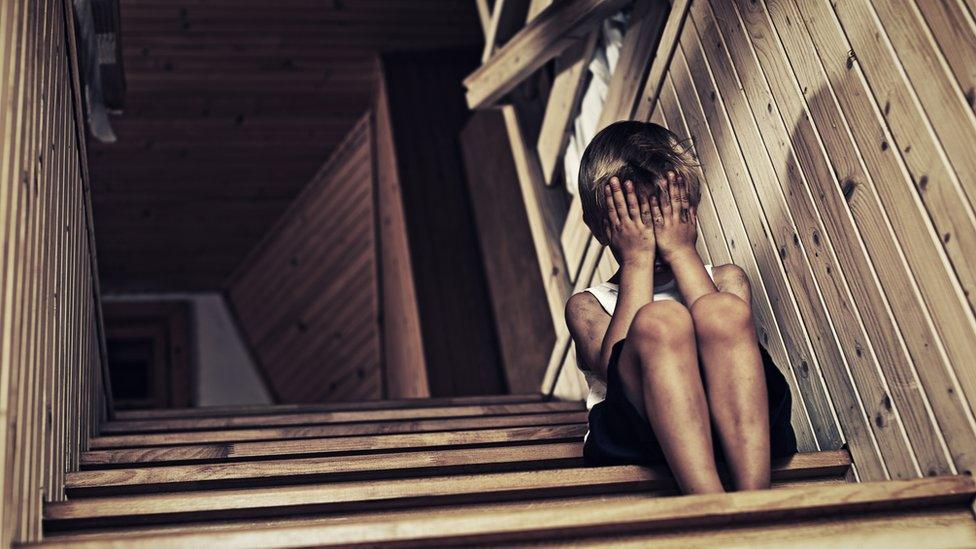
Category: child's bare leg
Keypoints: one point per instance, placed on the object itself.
(735, 384)
(659, 370)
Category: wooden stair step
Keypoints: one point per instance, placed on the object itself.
(578, 520)
(306, 520)
(319, 469)
(372, 495)
(335, 430)
(227, 451)
(941, 527)
(347, 416)
(272, 409)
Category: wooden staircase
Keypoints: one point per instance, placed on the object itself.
(460, 471)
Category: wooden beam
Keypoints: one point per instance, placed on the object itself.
(542, 224)
(567, 86)
(404, 359)
(535, 8)
(484, 15)
(550, 33)
(507, 17)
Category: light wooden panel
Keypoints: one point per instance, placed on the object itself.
(306, 297)
(831, 137)
(874, 275)
(50, 336)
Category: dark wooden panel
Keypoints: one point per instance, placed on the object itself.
(230, 100)
(306, 297)
(518, 298)
(427, 112)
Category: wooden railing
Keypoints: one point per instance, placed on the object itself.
(52, 395)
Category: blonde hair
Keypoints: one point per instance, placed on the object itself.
(642, 152)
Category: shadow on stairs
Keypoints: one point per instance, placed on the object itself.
(463, 471)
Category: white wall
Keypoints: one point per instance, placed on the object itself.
(225, 373)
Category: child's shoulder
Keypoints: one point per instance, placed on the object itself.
(581, 302)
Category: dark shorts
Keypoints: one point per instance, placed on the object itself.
(619, 435)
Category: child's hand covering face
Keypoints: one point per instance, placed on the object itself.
(628, 224)
(675, 220)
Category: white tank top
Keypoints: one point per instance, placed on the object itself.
(606, 294)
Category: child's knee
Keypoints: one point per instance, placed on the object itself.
(661, 324)
(721, 315)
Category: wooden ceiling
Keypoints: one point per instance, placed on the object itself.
(232, 106)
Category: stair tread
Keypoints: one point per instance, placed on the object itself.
(268, 420)
(940, 527)
(271, 409)
(613, 516)
(545, 483)
(343, 429)
(387, 465)
(306, 520)
(330, 445)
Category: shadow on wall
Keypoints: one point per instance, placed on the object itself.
(176, 350)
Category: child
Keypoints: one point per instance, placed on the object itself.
(667, 345)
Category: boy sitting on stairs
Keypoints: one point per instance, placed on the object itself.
(667, 344)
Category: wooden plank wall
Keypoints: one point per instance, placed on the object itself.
(50, 340)
(307, 297)
(836, 144)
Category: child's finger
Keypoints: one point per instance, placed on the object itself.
(674, 193)
(606, 229)
(630, 195)
(685, 200)
(611, 208)
(618, 200)
(667, 196)
(645, 209)
(656, 216)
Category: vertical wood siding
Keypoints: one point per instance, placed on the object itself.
(50, 340)
(836, 145)
(306, 297)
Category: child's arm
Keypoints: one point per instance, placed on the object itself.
(631, 234)
(675, 227)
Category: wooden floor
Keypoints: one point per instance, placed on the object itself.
(424, 472)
